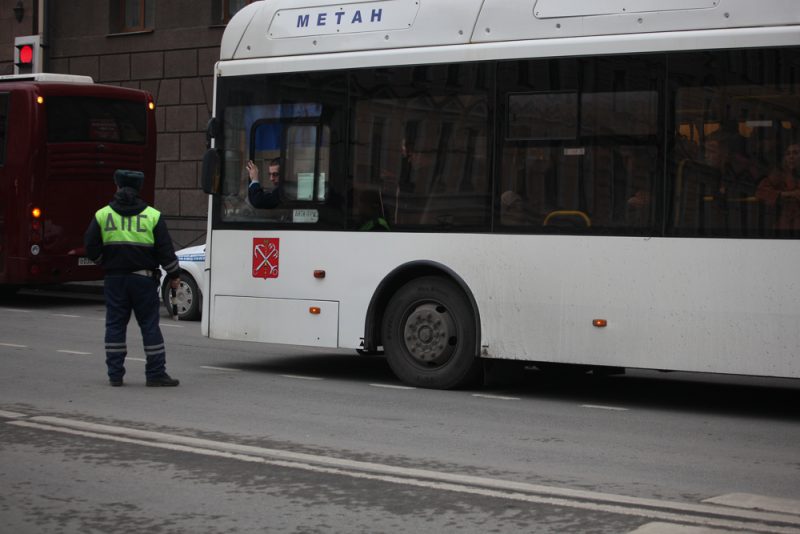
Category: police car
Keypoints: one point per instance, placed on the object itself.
(189, 296)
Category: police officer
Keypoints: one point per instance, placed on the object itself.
(129, 239)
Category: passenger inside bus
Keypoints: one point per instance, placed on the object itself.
(638, 177)
(513, 211)
(715, 196)
(780, 192)
(256, 194)
(530, 175)
(369, 209)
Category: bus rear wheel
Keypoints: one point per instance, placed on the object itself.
(429, 335)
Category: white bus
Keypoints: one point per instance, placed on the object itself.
(602, 184)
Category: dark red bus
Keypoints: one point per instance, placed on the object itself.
(61, 139)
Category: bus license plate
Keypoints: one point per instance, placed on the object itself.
(84, 261)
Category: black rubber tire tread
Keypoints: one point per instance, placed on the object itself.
(463, 368)
(8, 291)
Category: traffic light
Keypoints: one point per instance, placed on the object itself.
(27, 54)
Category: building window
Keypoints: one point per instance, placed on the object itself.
(132, 15)
(224, 10)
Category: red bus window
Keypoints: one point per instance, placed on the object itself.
(78, 119)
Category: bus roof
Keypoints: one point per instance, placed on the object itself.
(46, 77)
(70, 86)
(276, 28)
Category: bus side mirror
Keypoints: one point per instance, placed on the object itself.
(212, 130)
(210, 177)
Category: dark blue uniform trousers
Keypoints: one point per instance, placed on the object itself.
(125, 293)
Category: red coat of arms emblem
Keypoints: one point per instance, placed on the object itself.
(265, 257)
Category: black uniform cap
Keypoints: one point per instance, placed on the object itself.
(133, 179)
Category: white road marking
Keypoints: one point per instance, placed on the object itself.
(599, 407)
(13, 345)
(757, 502)
(219, 368)
(11, 415)
(65, 315)
(63, 351)
(668, 511)
(494, 397)
(136, 359)
(391, 386)
(671, 528)
(169, 325)
(299, 377)
(15, 310)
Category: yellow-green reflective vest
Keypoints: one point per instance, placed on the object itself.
(136, 230)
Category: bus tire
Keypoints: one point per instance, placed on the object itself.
(7, 291)
(429, 335)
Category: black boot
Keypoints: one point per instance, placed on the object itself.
(162, 381)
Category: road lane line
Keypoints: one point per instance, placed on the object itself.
(494, 397)
(757, 502)
(11, 415)
(137, 359)
(599, 407)
(13, 345)
(15, 310)
(65, 315)
(686, 513)
(300, 377)
(64, 351)
(229, 369)
(169, 325)
(672, 528)
(391, 386)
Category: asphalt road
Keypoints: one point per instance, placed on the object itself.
(264, 438)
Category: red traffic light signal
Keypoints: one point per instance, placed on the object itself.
(25, 55)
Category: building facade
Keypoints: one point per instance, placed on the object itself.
(166, 48)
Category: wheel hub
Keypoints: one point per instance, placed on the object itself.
(183, 297)
(430, 334)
